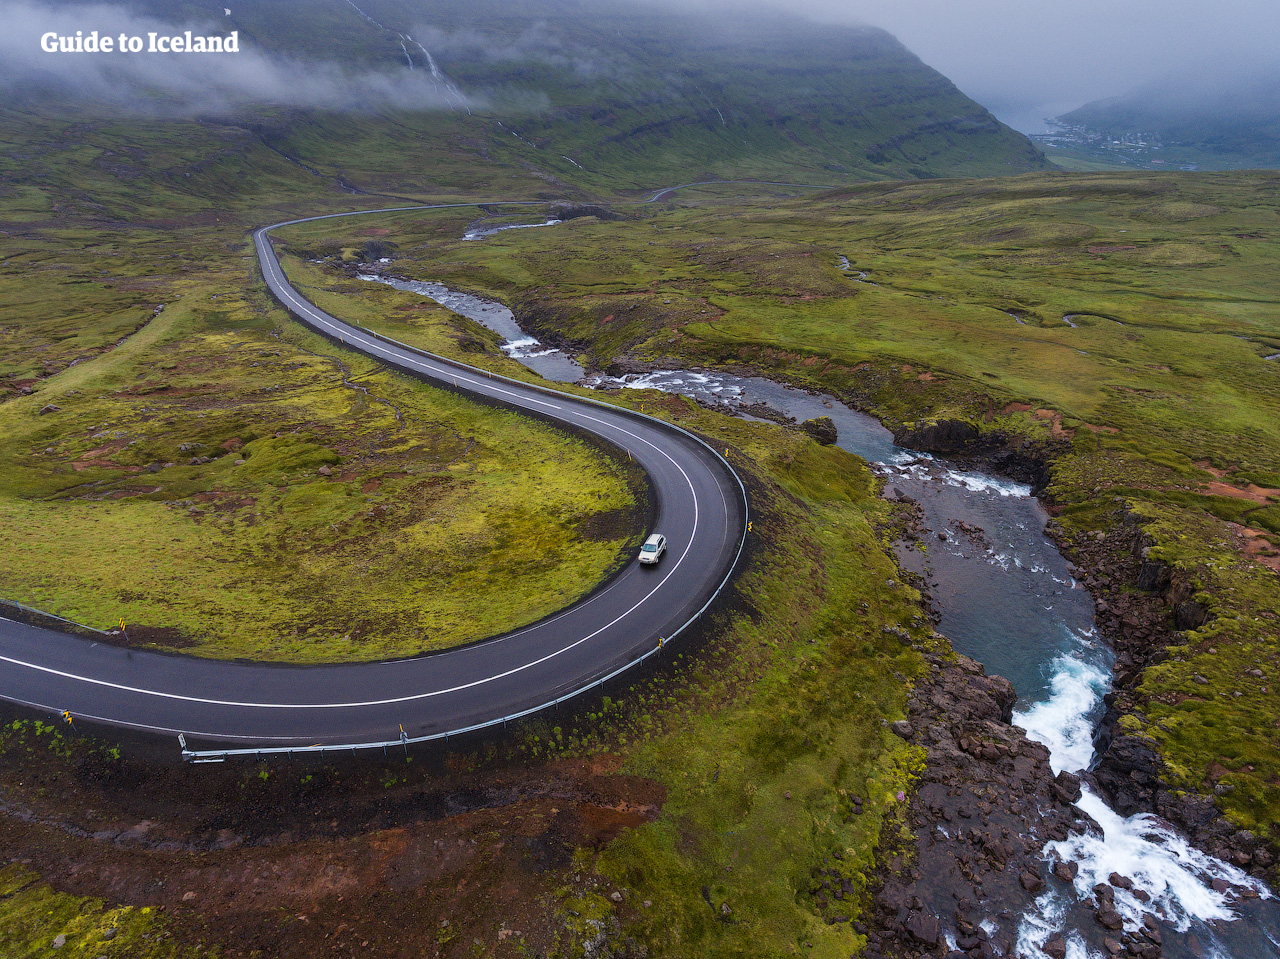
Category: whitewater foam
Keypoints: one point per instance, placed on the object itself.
(1064, 721)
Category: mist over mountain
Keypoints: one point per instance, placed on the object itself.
(1213, 125)
(635, 92)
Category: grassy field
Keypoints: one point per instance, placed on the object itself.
(785, 725)
(769, 743)
(227, 483)
(1126, 317)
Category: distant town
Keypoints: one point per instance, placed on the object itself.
(1145, 151)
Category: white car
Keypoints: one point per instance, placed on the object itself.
(653, 549)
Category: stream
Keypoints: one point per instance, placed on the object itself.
(1007, 598)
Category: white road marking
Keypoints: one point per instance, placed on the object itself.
(434, 370)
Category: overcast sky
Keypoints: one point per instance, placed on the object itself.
(1022, 58)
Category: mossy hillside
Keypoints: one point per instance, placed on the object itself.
(619, 97)
(765, 738)
(429, 498)
(1206, 705)
(1161, 390)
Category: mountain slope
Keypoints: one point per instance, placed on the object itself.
(607, 97)
(1216, 128)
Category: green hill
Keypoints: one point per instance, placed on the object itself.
(407, 98)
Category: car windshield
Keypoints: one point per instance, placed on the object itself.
(650, 547)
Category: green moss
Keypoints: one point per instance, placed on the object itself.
(37, 921)
(1172, 282)
(227, 483)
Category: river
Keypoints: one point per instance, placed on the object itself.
(1006, 598)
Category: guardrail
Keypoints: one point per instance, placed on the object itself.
(404, 740)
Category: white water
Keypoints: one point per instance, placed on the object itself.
(479, 233)
(1162, 864)
(456, 97)
(1064, 721)
(1174, 875)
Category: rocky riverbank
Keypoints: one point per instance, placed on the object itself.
(984, 806)
(1142, 608)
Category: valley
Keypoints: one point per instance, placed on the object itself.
(986, 413)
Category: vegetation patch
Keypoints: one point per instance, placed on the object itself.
(1161, 394)
(227, 483)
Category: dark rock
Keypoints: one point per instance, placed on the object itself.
(566, 210)
(1108, 917)
(924, 927)
(1189, 615)
(1119, 881)
(1066, 871)
(1066, 786)
(902, 728)
(943, 436)
(821, 428)
(1031, 882)
(1055, 948)
(50, 408)
(1153, 577)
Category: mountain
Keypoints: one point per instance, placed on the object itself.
(384, 94)
(1214, 126)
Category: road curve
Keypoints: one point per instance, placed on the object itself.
(700, 506)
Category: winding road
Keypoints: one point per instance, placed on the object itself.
(226, 708)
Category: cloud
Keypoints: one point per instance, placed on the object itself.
(1019, 54)
(534, 44)
(190, 83)
(1029, 58)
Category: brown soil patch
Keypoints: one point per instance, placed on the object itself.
(1255, 494)
(1209, 468)
(1255, 545)
(1016, 408)
(170, 637)
(1055, 423)
(366, 858)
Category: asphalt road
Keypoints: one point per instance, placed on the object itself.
(700, 506)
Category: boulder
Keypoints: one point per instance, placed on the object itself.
(821, 428)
